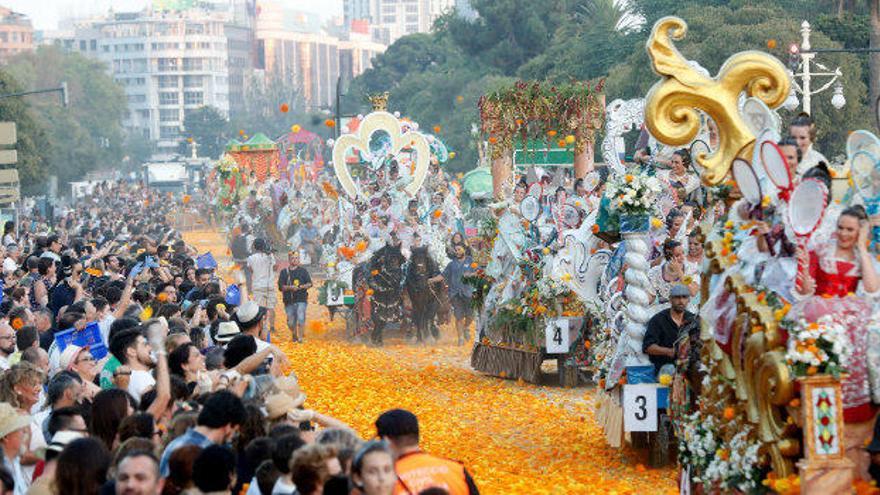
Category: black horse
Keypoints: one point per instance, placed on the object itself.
(423, 281)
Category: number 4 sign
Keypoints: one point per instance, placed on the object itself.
(639, 408)
(557, 340)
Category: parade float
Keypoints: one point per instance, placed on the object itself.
(542, 267)
(390, 180)
(757, 400)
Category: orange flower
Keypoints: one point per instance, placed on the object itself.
(519, 121)
(629, 178)
(493, 139)
(162, 297)
(601, 383)
(551, 133)
(771, 44)
(361, 246)
(587, 344)
(330, 123)
(474, 266)
(794, 402)
(284, 108)
(561, 143)
(17, 323)
(812, 370)
(595, 228)
(374, 272)
(640, 468)
(370, 292)
(436, 129)
(729, 413)
(438, 213)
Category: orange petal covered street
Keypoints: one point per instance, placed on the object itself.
(513, 437)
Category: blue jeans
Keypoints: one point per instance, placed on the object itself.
(296, 314)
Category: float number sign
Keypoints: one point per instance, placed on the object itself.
(335, 296)
(557, 340)
(639, 408)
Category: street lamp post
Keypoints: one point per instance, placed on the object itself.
(803, 80)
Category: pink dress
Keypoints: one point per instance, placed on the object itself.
(836, 283)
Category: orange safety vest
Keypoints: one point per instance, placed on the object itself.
(417, 471)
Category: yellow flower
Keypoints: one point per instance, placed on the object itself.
(665, 379)
(566, 277)
(629, 178)
(546, 250)
(569, 139)
(656, 223)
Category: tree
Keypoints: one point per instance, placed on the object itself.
(33, 144)
(206, 126)
(138, 150)
(87, 135)
(262, 111)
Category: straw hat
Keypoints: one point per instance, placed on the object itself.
(68, 357)
(11, 420)
(226, 331)
(277, 405)
(290, 387)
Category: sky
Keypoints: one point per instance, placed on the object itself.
(45, 14)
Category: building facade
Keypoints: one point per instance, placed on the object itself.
(294, 45)
(393, 19)
(169, 64)
(16, 34)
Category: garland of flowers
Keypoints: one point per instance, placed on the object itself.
(722, 450)
(540, 110)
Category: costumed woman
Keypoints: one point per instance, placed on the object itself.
(835, 269)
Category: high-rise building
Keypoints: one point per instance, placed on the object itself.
(294, 45)
(169, 64)
(393, 19)
(16, 34)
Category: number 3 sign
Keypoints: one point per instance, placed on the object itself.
(557, 340)
(639, 408)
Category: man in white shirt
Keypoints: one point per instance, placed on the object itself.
(10, 263)
(7, 344)
(132, 350)
(262, 268)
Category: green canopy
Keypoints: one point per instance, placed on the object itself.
(541, 154)
(233, 145)
(478, 183)
(260, 141)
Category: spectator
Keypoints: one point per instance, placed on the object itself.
(214, 470)
(372, 470)
(285, 446)
(80, 361)
(311, 467)
(82, 467)
(138, 473)
(132, 350)
(109, 408)
(7, 344)
(13, 428)
(218, 421)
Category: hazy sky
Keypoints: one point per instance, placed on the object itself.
(45, 14)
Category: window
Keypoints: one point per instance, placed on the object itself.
(167, 81)
(140, 81)
(412, 18)
(169, 115)
(193, 81)
(412, 9)
(192, 64)
(389, 19)
(4, 37)
(169, 98)
(144, 114)
(93, 45)
(168, 65)
(82, 43)
(137, 98)
(193, 98)
(169, 132)
(195, 29)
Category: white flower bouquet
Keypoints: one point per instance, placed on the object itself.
(632, 194)
(818, 347)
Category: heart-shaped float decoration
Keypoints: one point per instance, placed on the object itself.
(372, 123)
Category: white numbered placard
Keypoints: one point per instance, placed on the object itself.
(335, 296)
(557, 339)
(639, 408)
